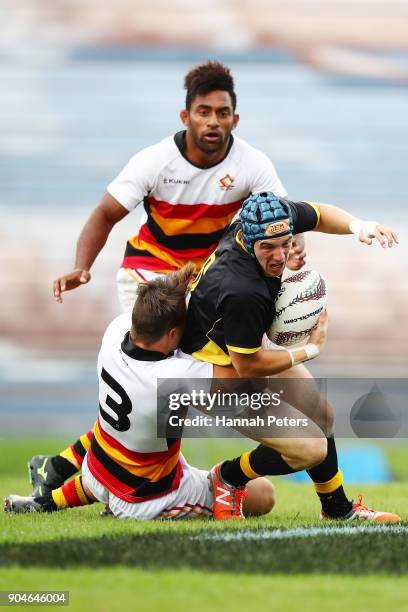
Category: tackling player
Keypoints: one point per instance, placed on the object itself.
(127, 467)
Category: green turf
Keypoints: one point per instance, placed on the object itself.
(121, 589)
(167, 565)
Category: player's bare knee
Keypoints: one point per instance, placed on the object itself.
(260, 498)
(268, 498)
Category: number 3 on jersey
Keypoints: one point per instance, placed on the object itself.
(121, 410)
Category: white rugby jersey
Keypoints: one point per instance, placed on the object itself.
(188, 208)
(125, 454)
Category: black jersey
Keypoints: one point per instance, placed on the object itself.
(232, 302)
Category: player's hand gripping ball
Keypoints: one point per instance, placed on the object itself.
(301, 299)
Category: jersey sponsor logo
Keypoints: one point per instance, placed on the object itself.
(226, 182)
(175, 181)
(277, 228)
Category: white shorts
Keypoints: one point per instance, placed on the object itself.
(192, 499)
(127, 282)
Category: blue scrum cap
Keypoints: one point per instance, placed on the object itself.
(264, 215)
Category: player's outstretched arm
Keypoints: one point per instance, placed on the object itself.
(270, 362)
(335, 220)
(91, 241)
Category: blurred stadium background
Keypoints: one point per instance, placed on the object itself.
(322, 89)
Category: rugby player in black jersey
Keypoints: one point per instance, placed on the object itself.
(231, 307)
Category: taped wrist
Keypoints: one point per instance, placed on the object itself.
(303, 353)
(367, 227)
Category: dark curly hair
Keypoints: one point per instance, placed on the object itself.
(209, 77)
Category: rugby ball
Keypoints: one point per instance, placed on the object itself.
(301, 299)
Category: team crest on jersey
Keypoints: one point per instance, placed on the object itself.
(226, 182)
(277, 228)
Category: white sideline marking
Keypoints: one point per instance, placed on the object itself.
(304, 532)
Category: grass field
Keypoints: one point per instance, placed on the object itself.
(287, 560)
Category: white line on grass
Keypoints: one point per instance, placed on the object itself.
(305, 532)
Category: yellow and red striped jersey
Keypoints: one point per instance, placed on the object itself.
(125, 454)
(188, 208)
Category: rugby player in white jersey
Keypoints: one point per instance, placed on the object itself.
(191, 184)
(127, 467)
